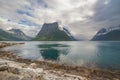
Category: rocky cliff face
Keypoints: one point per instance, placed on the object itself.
(108, 34)
(52, 32)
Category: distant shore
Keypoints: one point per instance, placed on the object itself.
(4, 44)
(49, 70)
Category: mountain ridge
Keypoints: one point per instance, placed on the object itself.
(52, 32)
(10, 36)
(108, 34)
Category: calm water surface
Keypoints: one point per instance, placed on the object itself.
(90, 54)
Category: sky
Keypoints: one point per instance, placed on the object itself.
(82, 17)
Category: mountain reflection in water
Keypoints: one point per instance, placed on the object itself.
(80, 53)
(49, 52)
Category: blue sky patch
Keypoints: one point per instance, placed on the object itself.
(24, 12)
(27, 22)
(42, 3)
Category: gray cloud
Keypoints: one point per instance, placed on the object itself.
(28, 30)
(82, 17)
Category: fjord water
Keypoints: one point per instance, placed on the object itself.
(80, 53)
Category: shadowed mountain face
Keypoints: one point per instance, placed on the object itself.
(12, 35)
(110, 34)
(52, 32)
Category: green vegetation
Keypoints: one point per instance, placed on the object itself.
(54, 36)
(5, 36)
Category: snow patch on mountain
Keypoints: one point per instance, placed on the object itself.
(107, 30)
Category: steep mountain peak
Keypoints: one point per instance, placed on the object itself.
(50, 26)
(53, 32)
(54, 23)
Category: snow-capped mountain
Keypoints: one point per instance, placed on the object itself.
(19, 33)
(104, 31)
(111, 33)
(12, 35)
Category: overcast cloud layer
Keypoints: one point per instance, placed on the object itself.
(82, 17)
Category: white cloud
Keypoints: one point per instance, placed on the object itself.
(82, 17)
(66, 10)
(28, 30)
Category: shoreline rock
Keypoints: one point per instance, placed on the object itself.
(4, 44)
(16, 68)
(10, 70)
(59, 70)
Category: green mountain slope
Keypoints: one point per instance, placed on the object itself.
(5, 36)
(51, 32)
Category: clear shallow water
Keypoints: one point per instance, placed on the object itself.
(90, 54)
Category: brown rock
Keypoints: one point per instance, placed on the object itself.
(33, 65)
(8, 76)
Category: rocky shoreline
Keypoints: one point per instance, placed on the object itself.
(4, 44)
(12, 67)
